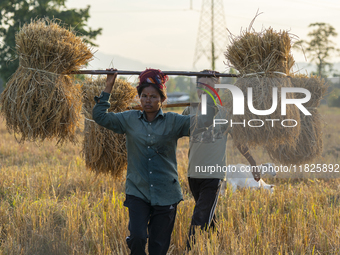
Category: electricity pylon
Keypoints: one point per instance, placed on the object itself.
(212, 34)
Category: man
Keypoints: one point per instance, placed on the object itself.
(207, 153)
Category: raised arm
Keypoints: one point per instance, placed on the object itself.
(110, 120)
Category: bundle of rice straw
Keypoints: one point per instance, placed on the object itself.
(270, 129)
(260, 52)
(40, 100)
(309, 143)
(263, 60)
(104, 150)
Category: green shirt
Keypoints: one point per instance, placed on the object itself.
(151, 148)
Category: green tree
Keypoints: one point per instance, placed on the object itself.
(320, 47)
(14, 13)
(1, 85)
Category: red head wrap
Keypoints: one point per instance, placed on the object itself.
(153, 76)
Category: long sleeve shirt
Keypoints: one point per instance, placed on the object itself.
(151, 148)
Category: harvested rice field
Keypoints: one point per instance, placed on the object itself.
(51, 204)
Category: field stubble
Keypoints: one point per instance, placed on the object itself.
(50, 204)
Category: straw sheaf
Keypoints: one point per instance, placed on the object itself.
(40, 100)
(45, 45)
(266, 51)
(309, 145)
(104, 150)
(315, 85)
(39, 106)
(262, 99)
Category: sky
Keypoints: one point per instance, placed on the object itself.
(165, 32)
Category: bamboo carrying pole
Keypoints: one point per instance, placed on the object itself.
(138, 107)
(184, 73)
(41, 100)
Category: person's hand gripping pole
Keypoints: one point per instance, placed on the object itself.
(110, 80)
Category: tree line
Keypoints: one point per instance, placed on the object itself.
(14, 14)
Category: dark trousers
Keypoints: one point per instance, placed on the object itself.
(155, 222)
(205, 192)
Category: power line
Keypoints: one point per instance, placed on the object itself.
(314, 4)
(155, 10)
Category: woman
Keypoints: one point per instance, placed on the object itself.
(152, 186)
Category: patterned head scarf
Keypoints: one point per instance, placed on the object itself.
(154, 76)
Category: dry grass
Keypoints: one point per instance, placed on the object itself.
(265, 51)
(262, 99)
(263, 59)
(104, 150)
(50, 204)
(40, 100)
(309, 143)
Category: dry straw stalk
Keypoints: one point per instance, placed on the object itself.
(105, 151)
(265, 51)
(271, 132)
(263, 60)
(40, 100)
(309, 144)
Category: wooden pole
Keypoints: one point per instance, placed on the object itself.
(184, 73)
(138, 107)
